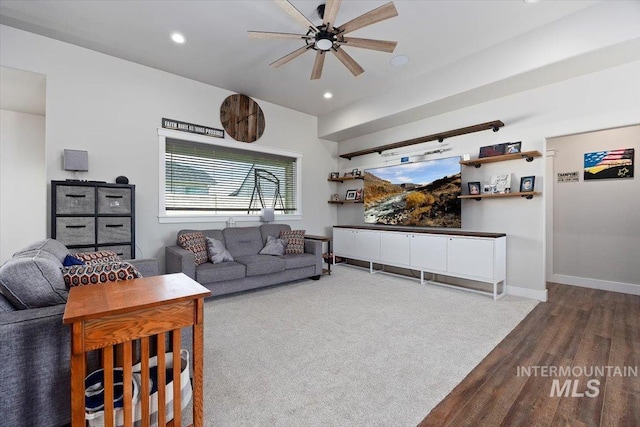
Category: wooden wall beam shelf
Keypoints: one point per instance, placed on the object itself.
(494, 125)
(525, 194)
(342, 202)
(527, 155)
(344, 178)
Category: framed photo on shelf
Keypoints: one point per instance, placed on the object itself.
(527, 184)
(474, 188)
(358, 195)
(334, 175)
(356, 172)
(491, 150)
(488, 189)
(351, 195)
(512, 147)
(335, 197)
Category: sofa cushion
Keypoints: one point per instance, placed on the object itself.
(274, 246)
(273, 230)
(5, 305)
(242, 241)
(295, 241)
(211, 273)
(216, 251)
(261, 264)
(299, 260)
(33, 279)
(51, 246)
(81, 275)
(195, 243)
(99, 257)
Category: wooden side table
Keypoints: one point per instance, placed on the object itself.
(323, 239)
(117, 313)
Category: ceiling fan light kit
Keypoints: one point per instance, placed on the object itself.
(328, 38)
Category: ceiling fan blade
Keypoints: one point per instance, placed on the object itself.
(330, 13)
(271, 35)
(381, 45)
(290, 56)
(376, 15)
(348, 61)
(316, 73)
(296, 14)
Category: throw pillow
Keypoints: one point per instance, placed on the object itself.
(70, 260)
(294, 241)
(99, 257)
(273, 246)
(195, 243)
(80, 275)
(217, 252)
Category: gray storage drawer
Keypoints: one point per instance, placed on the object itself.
(114, 200)
(114, 229)
(123, 251)
(76, 230)
(75, 200)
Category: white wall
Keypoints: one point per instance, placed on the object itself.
(23, 182)
(599, 100)
(113, 108)
(596, 224)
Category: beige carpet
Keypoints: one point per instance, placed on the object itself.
(352, 349)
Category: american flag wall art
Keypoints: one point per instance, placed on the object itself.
(612, 164)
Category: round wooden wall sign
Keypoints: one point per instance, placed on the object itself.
(242, 118)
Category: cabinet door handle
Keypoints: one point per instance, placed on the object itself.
(114, 225)
(113, 197)
(76, 226)
(77, 196)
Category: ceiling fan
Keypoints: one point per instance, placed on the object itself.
(328, 37)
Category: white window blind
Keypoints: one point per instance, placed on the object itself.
(221, 180)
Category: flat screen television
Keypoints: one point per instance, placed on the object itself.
(420, 194)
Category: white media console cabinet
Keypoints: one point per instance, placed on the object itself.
(465, 254)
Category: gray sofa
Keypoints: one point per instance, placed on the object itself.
(249, 270)
(34, 344)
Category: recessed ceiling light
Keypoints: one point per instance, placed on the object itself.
(530, 1)
(399, 60)
(328, 95)
(178, 38)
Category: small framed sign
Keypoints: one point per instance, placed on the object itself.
(191, 128)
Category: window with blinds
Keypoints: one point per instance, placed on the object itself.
(220, 180)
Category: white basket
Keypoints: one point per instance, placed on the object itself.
(96, 419)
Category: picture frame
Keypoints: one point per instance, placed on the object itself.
(512, 147)
(527, 184)
(359, 195)
(356, 172)
(334, 175)
(351, 195)
(335, 197)
(474, 188)
(491, 150)
(488, 189)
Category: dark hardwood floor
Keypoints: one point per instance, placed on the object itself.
(578, 328)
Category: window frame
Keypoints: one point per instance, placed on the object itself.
(165, 216)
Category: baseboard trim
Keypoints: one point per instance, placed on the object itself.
(540, 295)
(605, 285)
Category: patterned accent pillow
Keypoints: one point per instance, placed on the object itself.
(217, 252)
(99, 257)
(294, 241)
(196, 243)
(81, 275)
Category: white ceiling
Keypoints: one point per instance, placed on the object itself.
(218, 52)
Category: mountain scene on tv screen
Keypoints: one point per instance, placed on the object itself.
(421, 194)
